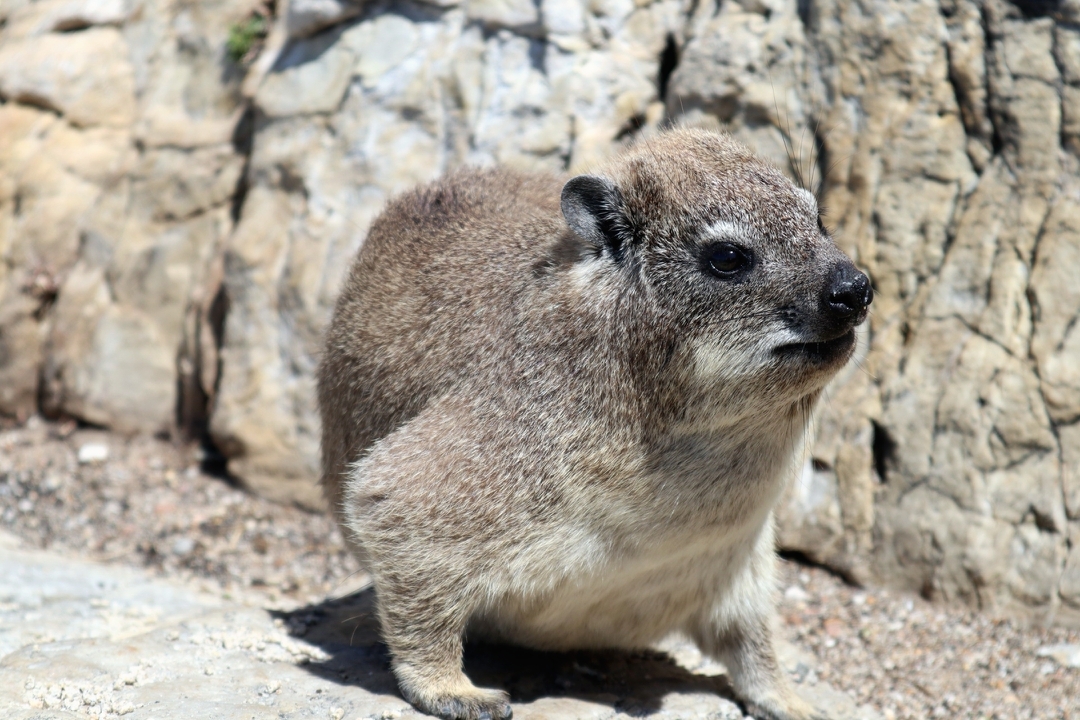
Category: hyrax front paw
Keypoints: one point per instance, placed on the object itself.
(471, 703)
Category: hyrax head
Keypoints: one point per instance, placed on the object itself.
(731, 257)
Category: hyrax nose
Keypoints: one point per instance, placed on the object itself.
(848, 291)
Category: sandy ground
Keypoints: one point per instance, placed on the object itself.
(146, 502)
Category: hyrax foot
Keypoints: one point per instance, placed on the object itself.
(746, 648)
(424, 633)
(788, 706)
(475, 704)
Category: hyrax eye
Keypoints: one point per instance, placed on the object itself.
(727, 260)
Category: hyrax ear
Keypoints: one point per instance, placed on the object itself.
(593, 208)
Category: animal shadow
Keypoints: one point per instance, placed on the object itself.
(633, 683)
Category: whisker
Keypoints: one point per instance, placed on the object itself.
(345, 579)
(785, 133)
(651, 151)
(352, 635)
(859, 363)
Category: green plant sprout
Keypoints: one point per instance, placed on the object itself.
(243, 36)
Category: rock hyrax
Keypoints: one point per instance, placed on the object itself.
(559, 412)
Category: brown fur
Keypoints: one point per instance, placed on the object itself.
(574, 436)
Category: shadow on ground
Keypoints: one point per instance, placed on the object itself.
(631, 683)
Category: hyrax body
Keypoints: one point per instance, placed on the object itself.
(559, 413)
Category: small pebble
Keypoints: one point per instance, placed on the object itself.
(834, 627)
(183, 546)
(794, 593)
(1065, 655)
(91, 453)
(127, 678)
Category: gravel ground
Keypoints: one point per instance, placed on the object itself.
(145, 502)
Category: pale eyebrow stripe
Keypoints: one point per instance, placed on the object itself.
(727, 230)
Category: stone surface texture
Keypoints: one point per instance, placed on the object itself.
(84, 640)
(174, 227)
(118, 172)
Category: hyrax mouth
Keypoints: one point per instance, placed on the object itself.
(823, 352)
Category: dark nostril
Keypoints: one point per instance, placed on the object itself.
(866, 291)
(849, 292)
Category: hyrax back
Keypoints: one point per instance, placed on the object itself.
(559, 413)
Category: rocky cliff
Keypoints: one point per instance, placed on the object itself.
(178, 204)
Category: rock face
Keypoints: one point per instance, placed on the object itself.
(173, 234)
(949, 177)
(117, 175)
